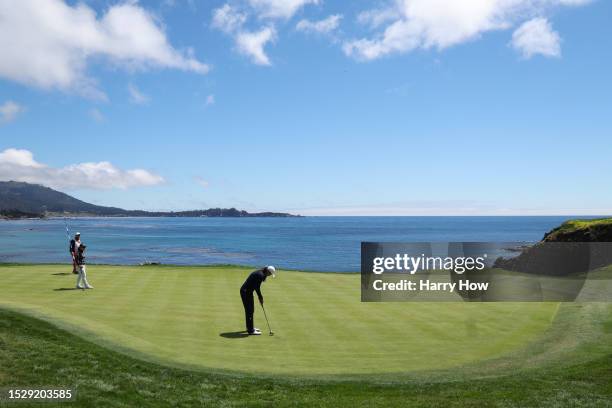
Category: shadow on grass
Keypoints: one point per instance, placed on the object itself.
(60, 289)
(235, 335)
(63, 273)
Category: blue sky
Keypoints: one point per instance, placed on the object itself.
(317, 107)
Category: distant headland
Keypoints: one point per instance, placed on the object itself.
(24, 200)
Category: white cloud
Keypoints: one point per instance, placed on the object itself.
(280, 9)
(96, 115)
(210, 100)
(325, 26)
(9, 111)
(376, 17)
(48, 44)
(18, 157)
(536, 36)
(441, 23)
(252, 43)
(231, 19)
(228, 19)
(20, 165)
(136, 96)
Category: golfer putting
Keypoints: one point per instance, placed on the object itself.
(253, 284)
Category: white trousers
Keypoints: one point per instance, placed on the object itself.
(82, 276)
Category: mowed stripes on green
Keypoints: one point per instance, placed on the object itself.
(192, 316)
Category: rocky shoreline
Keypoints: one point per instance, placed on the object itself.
(576, 246)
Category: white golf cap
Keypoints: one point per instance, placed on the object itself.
(272, 270)
(77, 233)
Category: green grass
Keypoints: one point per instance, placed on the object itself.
(150, 336)
(35, 353)
(572, 225)
(189, 316)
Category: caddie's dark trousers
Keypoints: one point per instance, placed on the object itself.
(249, 308)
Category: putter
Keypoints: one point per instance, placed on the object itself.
(267, 321)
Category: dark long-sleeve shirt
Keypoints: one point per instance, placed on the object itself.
(253, 282)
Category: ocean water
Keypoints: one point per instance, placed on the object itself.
(308, 243)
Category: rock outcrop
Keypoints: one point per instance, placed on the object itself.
(575, 247)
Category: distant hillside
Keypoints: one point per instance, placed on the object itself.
(18, 200)
(36, 199)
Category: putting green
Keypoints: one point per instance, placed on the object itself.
(192, 316)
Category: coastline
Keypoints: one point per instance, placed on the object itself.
(175, 266)
(313, 243)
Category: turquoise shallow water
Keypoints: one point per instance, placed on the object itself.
(308, 243)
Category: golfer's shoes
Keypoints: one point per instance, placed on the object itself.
(255, 332)
(80, 287)
(88, 287)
